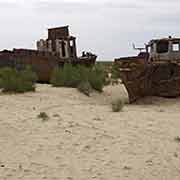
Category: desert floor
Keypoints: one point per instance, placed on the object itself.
(84, 140)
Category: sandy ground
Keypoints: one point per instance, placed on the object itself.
(85, 140)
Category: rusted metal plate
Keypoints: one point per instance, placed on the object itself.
(58, 32)
(150, 79)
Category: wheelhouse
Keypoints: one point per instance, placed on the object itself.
(167, 49)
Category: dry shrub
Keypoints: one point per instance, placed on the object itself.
(117, 105)
(43, 116)
(85, 88)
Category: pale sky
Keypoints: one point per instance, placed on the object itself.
(105, 27)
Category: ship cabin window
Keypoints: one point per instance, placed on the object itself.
(71, 43)
(71, 48)
(151, 48)
(162, 46)
(175, 47)
(63, 49)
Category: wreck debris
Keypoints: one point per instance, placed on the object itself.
(59, 48)
(59, 42)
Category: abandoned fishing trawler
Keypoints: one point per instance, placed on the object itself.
(154, 72)
(53, 52)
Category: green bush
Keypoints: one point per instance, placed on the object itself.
(67, 76)
(83, 72)
(85, 88)
(97, 78)
(57, 78)
(117, 105)
(12, 80)
(79, 77)
(115, 74)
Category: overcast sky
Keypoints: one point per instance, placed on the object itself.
(105, 27)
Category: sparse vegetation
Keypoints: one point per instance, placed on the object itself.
(68, 76)
(112, 72)
(177, 139)
(85, 88)
(43, 116)
(15, 81)
(117, 105)
(97, 78)
(80, 77)
(56, 115)
(115, 74)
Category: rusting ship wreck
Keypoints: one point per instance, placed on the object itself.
(59, 48)
(154, 72)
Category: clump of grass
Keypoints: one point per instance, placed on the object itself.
(85, 88)
(115, 71)
(13, 81)
(97, 78)
(67, 76)
(117, 105)
(177, 139)
(56, 115)
(115, 74)
(79, 77)
(43, 116)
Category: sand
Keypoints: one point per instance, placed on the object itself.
(84, 140)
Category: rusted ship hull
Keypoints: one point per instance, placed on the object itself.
(43, 63)
(164, 79)
(149, 79)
